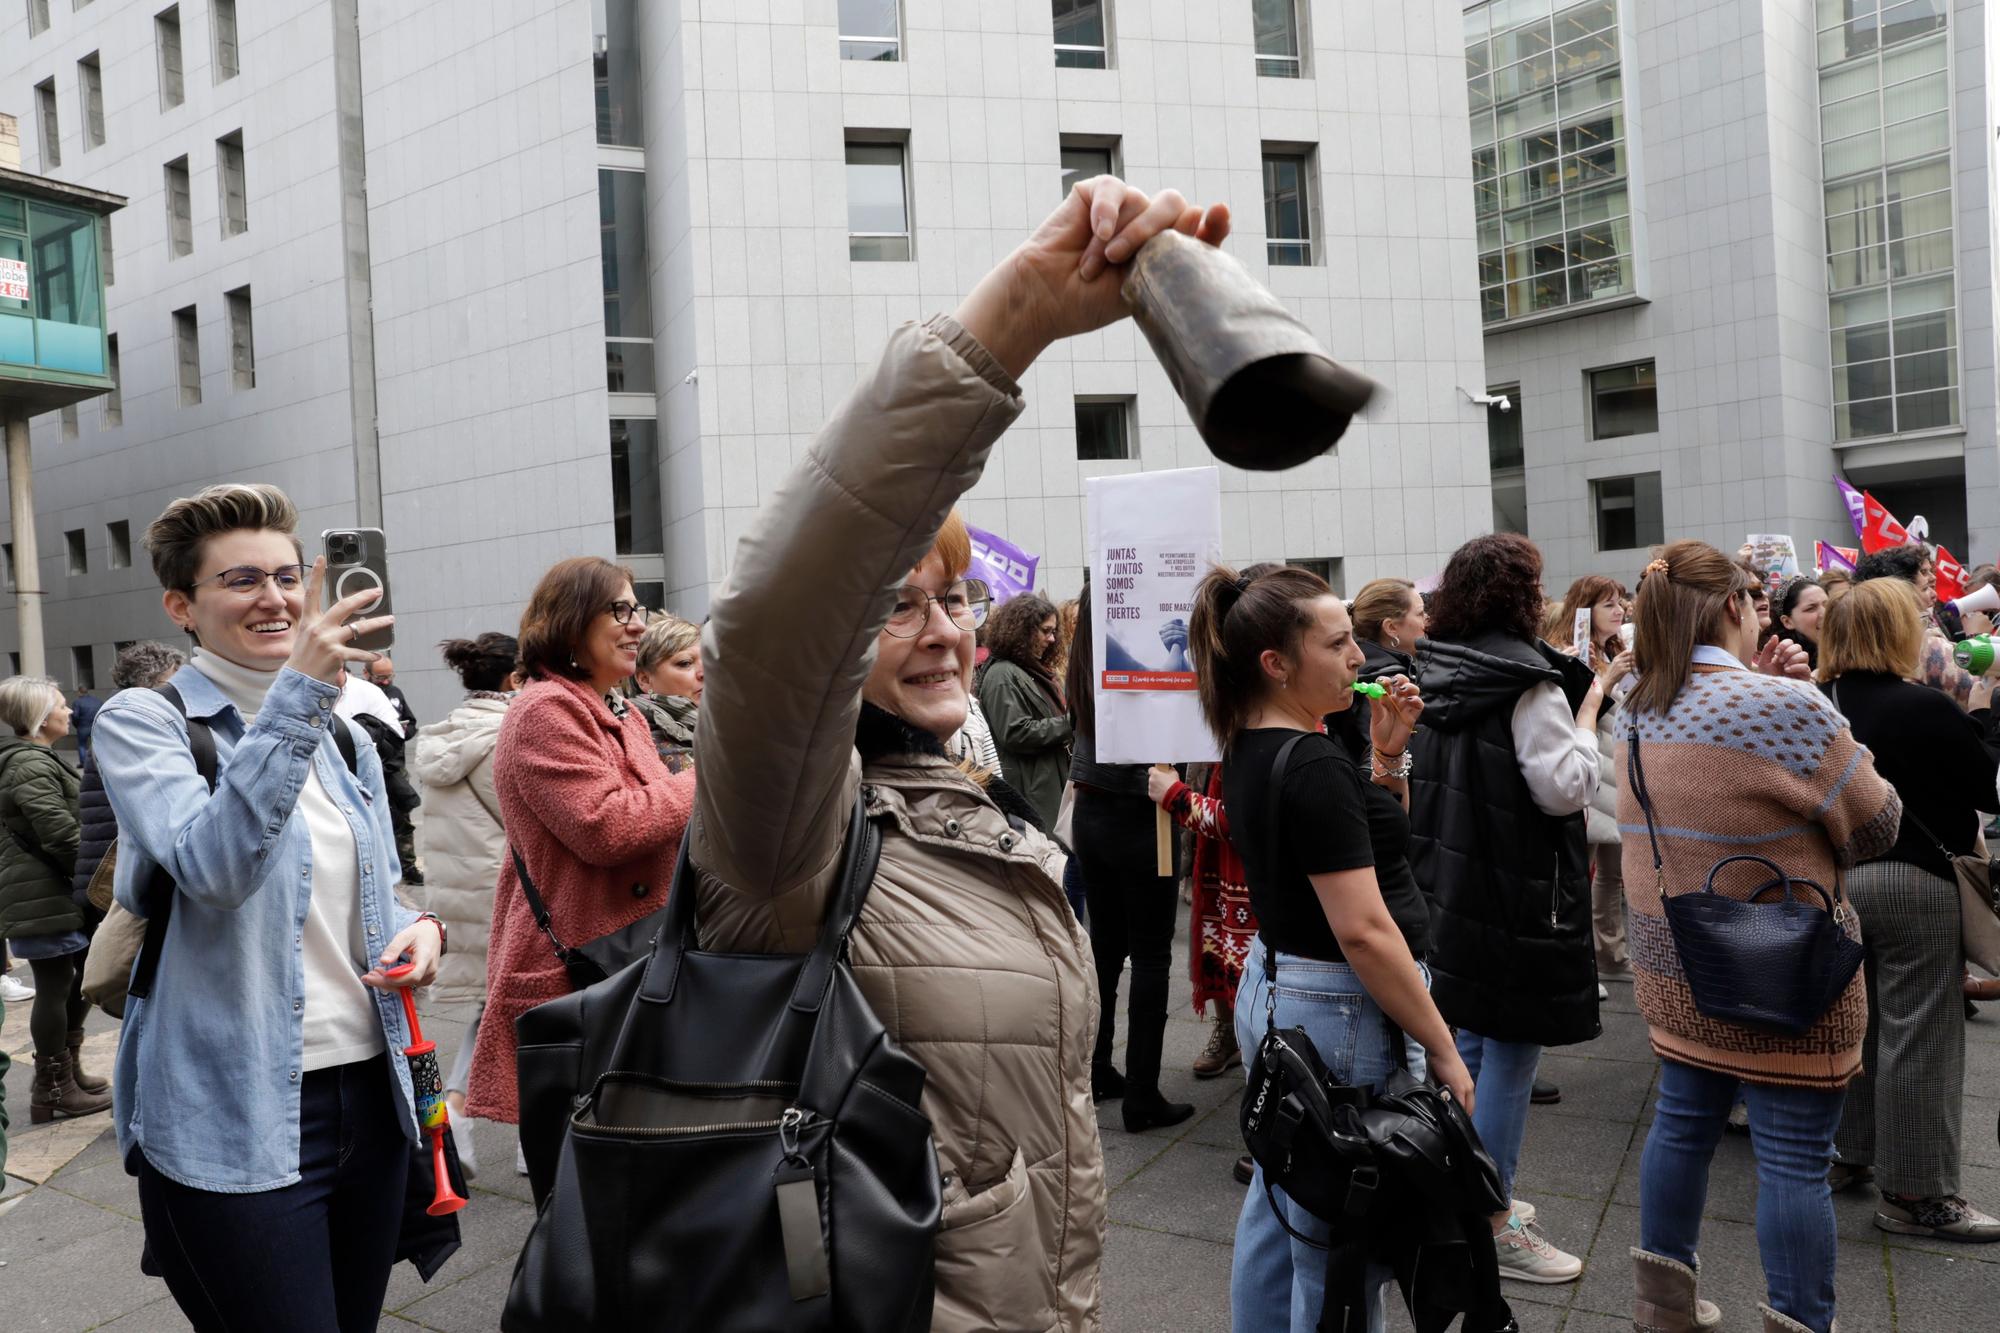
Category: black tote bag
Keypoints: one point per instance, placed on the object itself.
(726, 1142)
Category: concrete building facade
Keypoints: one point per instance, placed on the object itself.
(533, 278)
(1804, 289)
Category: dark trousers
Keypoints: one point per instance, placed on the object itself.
(313, 1257)
(58, 1008)
(1132, 911)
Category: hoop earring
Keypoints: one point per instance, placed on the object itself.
(1395, 641)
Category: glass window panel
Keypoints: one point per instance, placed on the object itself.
(1858, 268)
(1489, 233)
(62, 276)
(1478, 59)
(1591, 16)
(1839, 84)
(869, 18)
(1276, 25)
(1600, 241)
(1852, 39)
(1592, 282)
(875, 200)
(1102, 429)
(1849, 231)
(1491, 270)
(1853, 421)
(1866, 379)
(1915, 98)
(1924, 254)
(1924, 333)
(1914, 217)
(1852, 116)
(1832, 13)
(1534, 223)
(1079, 23)
(1590, 133)
(1927, 411)
(1624, 401)
(1478, 22)
(1913, 18)
(1529, 113)
(1529, 76)
(1851, 195)
(1863, 152)
(1922, 178)
(1917, 298)
(1909, 61)
(1590, 90)
(621, 219)
(1532, 186)
(1913, 138)
(1587, 53)
(1521, 43)
(1597, 206)
(1867, 342)
(1492, 306)
(1285, 205)
(638, 519)
(1482, 130)
(615, 69)
(1513, 13)
(1479, 94)
(1484, 163)
(1629, 513)
(1597, 165)
(1485, 198)
(1080, 164)
(878, 249)
(1926, 371)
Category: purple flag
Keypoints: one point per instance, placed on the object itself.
(1857, 505)
(1008, 570)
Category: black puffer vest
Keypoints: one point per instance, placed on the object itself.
(1511, 954)
(99, 826)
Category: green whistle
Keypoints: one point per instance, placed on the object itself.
(1370, 688)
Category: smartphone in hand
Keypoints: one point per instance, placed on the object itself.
(357, 559)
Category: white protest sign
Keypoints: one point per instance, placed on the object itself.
(13, 279)
(1151, 538)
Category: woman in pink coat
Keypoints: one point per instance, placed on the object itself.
(585, 800)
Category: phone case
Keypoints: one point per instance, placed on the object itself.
(365, 565)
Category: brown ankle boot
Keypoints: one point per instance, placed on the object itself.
(1220, 1055)
(1663, 1297)
(1778, 1323)
(55, 1093)
(88, 1082)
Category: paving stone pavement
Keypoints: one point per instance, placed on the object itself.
(70, 1246)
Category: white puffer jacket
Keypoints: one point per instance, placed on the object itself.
(1601, 819)
(460, 840)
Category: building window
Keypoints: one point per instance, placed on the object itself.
(878, 212)
(79, 551)
(1104, 428)
(1628, 512)
(187, 355)
(638, 519)
(120, 535)
(180, 210)
(46, 123)
(104, 247)
(628, 307)
(1278, 44)
(1546, 94)
(71, 426)
(230, 190)
(242, 347)
(1084, 158)
(14, 663)
(615, 62)
(870, 30)
(7, 558)
(114, 402)
(222, 31)
(1623, 401)
(83, 667)
(38, 17)
(167, 37)
(1080, 39)
(90, 91)
(1330, 569)
(1288, 207)
(1885, 143)
(1507, 459)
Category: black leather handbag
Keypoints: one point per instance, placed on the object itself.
(724, 1142)
(1775, 966)
(594, 960)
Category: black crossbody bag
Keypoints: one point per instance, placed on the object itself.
(594, 960)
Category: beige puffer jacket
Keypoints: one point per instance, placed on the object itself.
(966, 948)
(460, 839)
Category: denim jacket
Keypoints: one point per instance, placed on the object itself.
(208, 1071)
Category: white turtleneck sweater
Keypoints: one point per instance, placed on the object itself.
(341, 1024)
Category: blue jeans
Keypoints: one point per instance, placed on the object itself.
(1276, 1282)
(1503, 1079)
(1791, 1131)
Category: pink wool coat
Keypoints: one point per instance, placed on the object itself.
(593, 811)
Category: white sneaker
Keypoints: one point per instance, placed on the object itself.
(13, 990)
(1526, 1257)
(1524, 1210)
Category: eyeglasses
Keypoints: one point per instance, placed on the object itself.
(965, 603)
(248, 580)
(623, 611)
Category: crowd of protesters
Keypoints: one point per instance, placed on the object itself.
(1443, 877)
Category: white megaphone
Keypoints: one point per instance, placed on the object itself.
(1986, 598)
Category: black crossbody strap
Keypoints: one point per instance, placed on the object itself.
(160, 893)
(1273, 858)
(540, 909)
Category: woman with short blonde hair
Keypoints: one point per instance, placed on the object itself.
(670, 677)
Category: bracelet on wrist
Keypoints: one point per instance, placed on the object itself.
(443, 935)
(1400, 767)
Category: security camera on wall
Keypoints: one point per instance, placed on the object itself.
(1499, 400)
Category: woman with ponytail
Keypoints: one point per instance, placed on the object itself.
(1275, 652)
(1732, 761)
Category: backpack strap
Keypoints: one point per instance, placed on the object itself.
(201, 740)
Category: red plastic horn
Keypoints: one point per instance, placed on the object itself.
(428, 1085)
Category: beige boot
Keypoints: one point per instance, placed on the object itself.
(89, 1083)
(1778, 1323)
(1220, 1055)
(1663, 1297)
(55, 1093)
